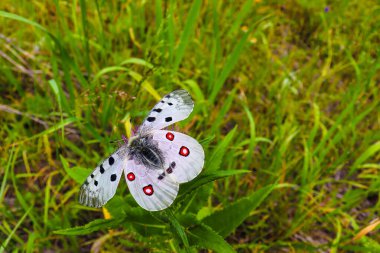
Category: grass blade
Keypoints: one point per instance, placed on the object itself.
(226, 220)
(372, 150)
(228, 67)
(223, 111)
(5, 175)
(216, 158)
(206, 178)
(96, 225)
(83, 9)
(252, 133)
(7, 240)
(188, 30)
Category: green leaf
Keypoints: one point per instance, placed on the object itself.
(93, 226)
(216, 158)
(372, 245)
(137, 61)
(203, 236)
(206, 178)
(137, 219)
(57, 92)
(178, 228)
(372, 150)
(79, 174)
(109, 70)
(228, 219)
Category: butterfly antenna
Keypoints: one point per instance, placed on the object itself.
(116, 141)
(125, 139)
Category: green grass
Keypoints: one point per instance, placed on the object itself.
(286, 107)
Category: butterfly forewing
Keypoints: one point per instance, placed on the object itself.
(149, 192)
(184, 156)
(101, 185)
(174, 107)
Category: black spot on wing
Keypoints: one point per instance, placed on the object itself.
(113, 177)
(101, 169)
(168, 119)
(151, 119)
(157, 110)
(111, 160)
(92, 175)
(96, 183)
(170, 104)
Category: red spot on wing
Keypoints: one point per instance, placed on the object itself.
(148, 190)
(131, 176)
(184, 151)
(170, 136)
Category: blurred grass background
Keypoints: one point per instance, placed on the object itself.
(288, 90)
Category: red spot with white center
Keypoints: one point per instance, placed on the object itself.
(184, 151)
(170, 136)
(131, 176)
(148, 190)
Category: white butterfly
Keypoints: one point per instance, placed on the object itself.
(154, 161)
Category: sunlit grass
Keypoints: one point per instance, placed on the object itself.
(286, 107)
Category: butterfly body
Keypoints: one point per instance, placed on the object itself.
(143, 149)
(154, 161)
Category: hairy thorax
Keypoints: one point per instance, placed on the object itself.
(144, 150)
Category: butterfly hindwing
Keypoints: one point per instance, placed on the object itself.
(184, 156)
(101, 185)
(149, 192)
(174, 107)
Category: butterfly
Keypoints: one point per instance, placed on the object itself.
(154, 161)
